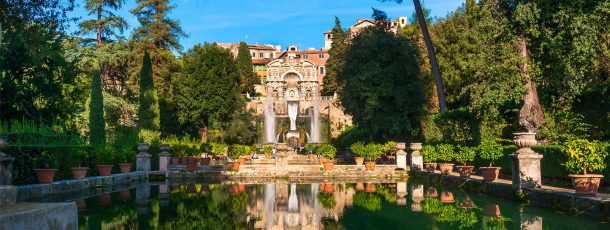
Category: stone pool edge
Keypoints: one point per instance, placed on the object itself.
(25, 192)
(549, 197)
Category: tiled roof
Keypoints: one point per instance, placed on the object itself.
(263, 61)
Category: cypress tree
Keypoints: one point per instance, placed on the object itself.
(97, 132)
(148, 112)
(244, 66)
(335, 61)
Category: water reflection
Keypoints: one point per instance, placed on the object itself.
(286, 205)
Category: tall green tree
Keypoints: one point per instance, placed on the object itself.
(380, 83)
(148, 111)
(244, 64)
(106, 23)
(209, 87)
(37, 79)
(156, 27)
(335, 60)
(97, 129)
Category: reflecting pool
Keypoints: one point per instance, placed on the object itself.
(286, 205)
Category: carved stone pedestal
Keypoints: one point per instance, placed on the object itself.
(417, 160)
(526, 162)
(143, 158)
(401, 157)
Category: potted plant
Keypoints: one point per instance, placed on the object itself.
(490, 151)
(464, 155)
(373, 151)
(585, 157)
(205, 148)
(327, 200)
(233, 155)
(327, 151)
(268, 150)
(446, 154)
(447, 197)
(79, 172)
(218, 150)
(388, 151)
(238, 152)
(430, 157)
(46, 166)
(126, 155)
(104, 159)
(359, 150)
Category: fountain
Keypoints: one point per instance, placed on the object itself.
(269, 122)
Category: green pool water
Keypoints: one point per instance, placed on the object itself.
(285, 205)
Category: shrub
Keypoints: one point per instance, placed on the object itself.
(465, 154)
(104, 155)
(237, 150)
(584, 156)
(327, 200)
(326, 150)
(268, 149)
(490, 151)
(359, 149)
(446, 152)
(46, 160)
(218, 149)
(389, 148)
(429, 153)
(373, 151)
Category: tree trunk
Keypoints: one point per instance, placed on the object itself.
(531, 116)
(99, 27)
(440, 90)
(204, 133)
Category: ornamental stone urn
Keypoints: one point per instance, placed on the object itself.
(525, 162)
(143, 158)
(164, 158)
(401, 157)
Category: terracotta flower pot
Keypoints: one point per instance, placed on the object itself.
(175, 160)
(242, 187)
(191, 188)
(105, 199)
(184, 160)
(329, 165)
(465, 171)
(359, 186)
(586, 185)
(447, 197)
(125, 195)
(359, 160)
(191, 160)
(104, 170)
(45, 176)
(205, 161)
(234, 189)
(310, 156)
(430, 167)
(371, 187)
(125, 167)
(242, 161)
(191, 166)
(489, 174)
(321, 187)
(369, 165)
(492, 210)
(234, 166)
(322, 160)
(205, 188)
(79, 173)
(445, 168)
(432, 192)
(329, 188)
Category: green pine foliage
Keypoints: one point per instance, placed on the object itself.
(244, 65)
(97, 129)
(106, 23)
(148, 111)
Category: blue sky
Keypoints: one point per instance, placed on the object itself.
(280, 22)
